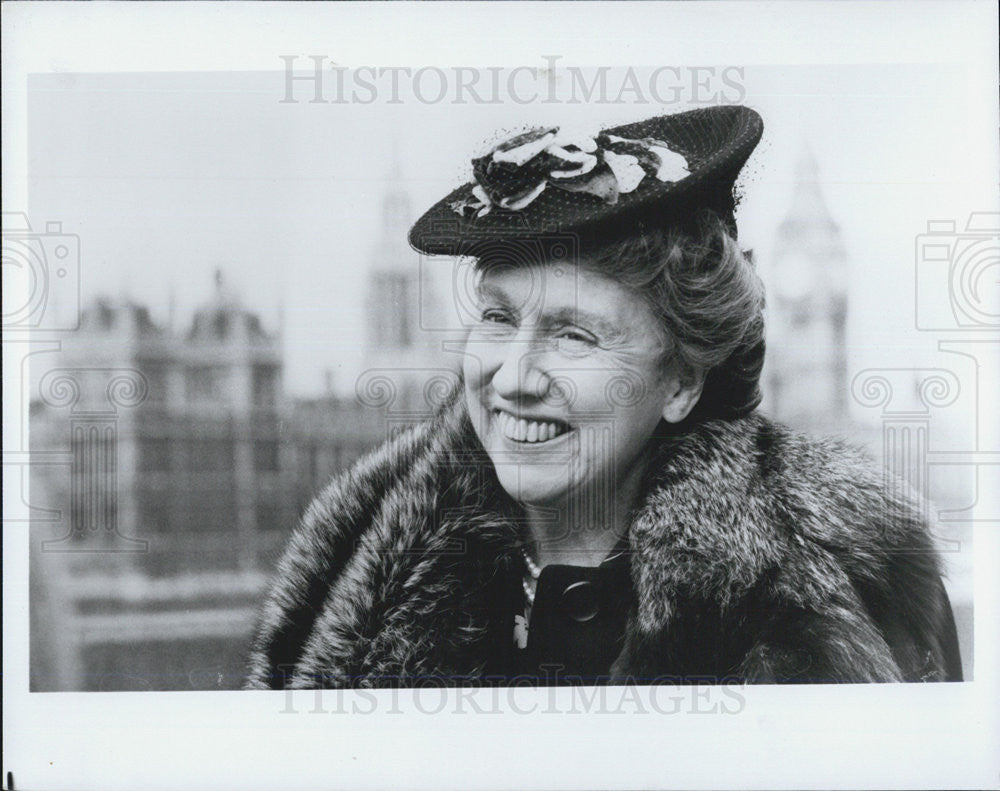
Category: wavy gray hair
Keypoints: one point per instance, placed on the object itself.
(707, 294)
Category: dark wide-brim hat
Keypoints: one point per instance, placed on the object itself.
(657, 173)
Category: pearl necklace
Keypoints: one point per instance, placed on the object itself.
(534, 572)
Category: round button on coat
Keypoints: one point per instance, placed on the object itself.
(579, 601)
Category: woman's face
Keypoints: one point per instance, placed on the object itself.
(565, 380)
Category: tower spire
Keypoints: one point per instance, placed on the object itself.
(806, 371)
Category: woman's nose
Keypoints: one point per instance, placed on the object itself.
(520, 374)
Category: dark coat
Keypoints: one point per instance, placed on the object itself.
(758, 555)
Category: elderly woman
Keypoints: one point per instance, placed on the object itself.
(600, 502)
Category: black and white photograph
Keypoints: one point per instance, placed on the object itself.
(477, 395)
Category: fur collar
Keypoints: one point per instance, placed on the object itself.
(757, 554)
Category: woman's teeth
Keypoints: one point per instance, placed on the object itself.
(521, 430)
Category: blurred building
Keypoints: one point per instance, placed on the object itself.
(179, 468)
(176, 466)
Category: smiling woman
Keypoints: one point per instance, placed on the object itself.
(600, 502)
(585, 331)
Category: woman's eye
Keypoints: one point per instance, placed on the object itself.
(576, 337)
(494, 316)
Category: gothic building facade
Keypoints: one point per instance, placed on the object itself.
(180, 466)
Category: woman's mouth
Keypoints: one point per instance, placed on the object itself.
(528, 431)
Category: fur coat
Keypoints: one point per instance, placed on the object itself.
(758, 555)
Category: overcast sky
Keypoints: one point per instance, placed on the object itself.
(167, 176)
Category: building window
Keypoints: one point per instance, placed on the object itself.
(220, 324)
(209, 512)
(265, 455)
(265, 385)
(204, 383)
(154, 454)
(270, 516)
(312, 455)
(154, 513)
(156, 380)
(800, 314)
(210, 454)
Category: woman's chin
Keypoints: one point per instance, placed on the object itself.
(530, 486)
(533, 473)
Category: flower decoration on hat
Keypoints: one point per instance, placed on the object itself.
(517, 171)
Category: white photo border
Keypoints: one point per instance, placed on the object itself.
(937, 735)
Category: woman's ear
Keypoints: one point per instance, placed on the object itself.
(683, 393)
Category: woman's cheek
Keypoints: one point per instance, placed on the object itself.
(476, 362)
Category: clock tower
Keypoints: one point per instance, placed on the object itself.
(805, 378)
(406, 372)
